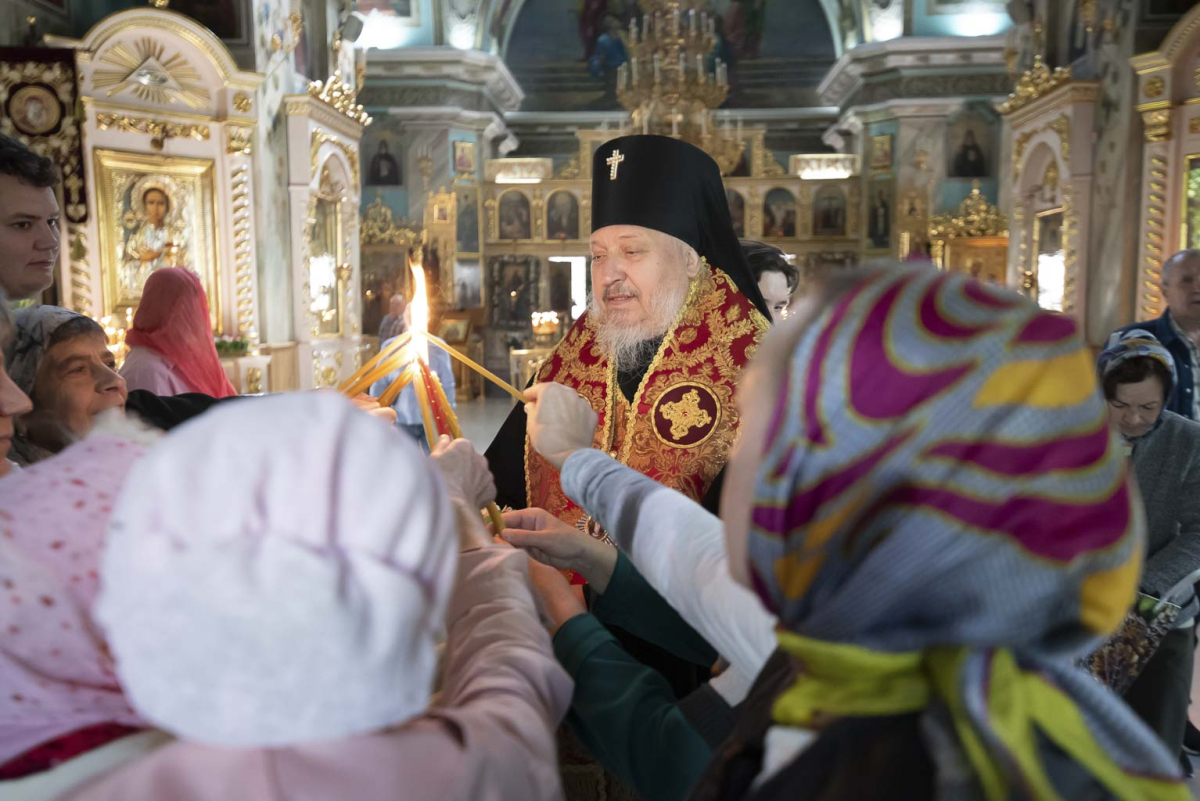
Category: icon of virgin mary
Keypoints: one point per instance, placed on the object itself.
(160, 238)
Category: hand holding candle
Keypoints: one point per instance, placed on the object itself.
(466, 472)
(559, 421)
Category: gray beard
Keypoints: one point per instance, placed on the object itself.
(636, 356)
(634, 347)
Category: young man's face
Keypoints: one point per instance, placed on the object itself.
(29, 237)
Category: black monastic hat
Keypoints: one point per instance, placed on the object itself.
(670, 186)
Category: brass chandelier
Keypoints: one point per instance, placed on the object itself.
(668, 85)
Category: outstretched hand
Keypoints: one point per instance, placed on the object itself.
(466, 472)
(371, 406)
(559, 421)
(559, 545)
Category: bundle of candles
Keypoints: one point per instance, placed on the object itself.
(409, 354)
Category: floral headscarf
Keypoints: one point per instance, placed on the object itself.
(943, 523)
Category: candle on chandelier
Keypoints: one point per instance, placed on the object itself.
(657, 69)
(633, 71)
(633, 31)
(692, 21)
(676, 22)
(645, 27)
(700, 76)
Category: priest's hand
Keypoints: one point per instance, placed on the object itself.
(559, 602)
(559, 421)
(552, 542)
(465, 471)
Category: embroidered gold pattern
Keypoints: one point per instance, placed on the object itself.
(685, 414)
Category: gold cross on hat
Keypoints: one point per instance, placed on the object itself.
(614, 162)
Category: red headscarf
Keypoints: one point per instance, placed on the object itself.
(172, 319)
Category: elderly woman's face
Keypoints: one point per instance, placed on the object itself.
(76, 380)
(756, 395)
(13, 402)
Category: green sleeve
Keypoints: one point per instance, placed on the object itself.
(626, 714)
(632, 604)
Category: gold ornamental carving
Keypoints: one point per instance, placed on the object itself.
(379, 226)
(254, 378)
(81, 273)
(1038, 81)
(296, 21)
(241, 102)
(1157, 123)
(1155, 87)
(1061, 126)
(241, 140)
(55, 133)
(158, 130)
(243, 254)
(341, 97)
(1071, 256)
(1150, 292)
(975, 217)
(320, 137)
(150, 74)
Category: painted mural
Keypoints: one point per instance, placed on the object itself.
(565, 53)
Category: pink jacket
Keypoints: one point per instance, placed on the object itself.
(490, 737)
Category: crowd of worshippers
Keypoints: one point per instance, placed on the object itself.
(867, 551)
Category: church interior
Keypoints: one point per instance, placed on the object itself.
(308, 148)
(345, 182)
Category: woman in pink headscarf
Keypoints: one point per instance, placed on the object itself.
(171, 344)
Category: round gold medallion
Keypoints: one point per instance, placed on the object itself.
(686, 415)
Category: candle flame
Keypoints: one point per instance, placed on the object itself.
(419, 311)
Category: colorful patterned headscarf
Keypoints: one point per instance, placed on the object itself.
(1137, 344)
(943, 523)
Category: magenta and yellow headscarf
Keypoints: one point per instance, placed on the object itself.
(943, 522)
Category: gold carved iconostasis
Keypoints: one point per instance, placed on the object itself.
(324, 129)
(1049, 184)
(972, 240)
(1168, 99)
(163, 172)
